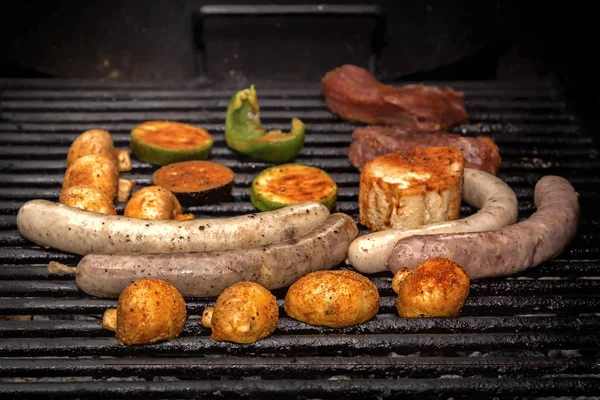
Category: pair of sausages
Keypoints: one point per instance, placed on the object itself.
(199, 257)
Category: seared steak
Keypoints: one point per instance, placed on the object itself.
(480, 152)
(354, 94)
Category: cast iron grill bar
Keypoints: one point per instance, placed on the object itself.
(380, 324)
(411, 367)
(27, 288)
(357, 388)
(538, 330)
(315, 345)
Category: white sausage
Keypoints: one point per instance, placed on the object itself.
(497, 205)
(82, 232)
(208, 274)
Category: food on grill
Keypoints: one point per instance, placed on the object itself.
(123, 160)
(82, 232)
(94, 170)
(196, 182)
(109, 319)
(124, 190)
(497, 207)
(288, 184)
(367, 143)
(155, 202)
(197, 274)
(149, 310)
(354, 94)
(438, 287)
(54, 267)
(407, 190)
(87, 198)
(336, 299)
(244, 313)
(399, 277)
(166, 142)
(541, 237)
(245, 134)
(97, 141)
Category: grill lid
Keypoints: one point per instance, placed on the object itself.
(532, 334)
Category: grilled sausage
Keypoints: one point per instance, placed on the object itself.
(497, 205)
(82, 232)
(209, 273)
(543, 236)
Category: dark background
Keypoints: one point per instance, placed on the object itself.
(158, 40)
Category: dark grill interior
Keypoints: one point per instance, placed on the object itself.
(530, 335)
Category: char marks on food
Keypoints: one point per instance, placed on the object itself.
(367, 143)
(354, 94)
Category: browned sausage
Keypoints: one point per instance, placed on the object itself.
(507, 250)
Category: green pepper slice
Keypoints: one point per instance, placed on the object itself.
(245, 134)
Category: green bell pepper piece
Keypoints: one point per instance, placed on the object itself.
(245, 134)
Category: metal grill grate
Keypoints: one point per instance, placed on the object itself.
(530, 335)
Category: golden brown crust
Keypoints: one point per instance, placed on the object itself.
(109, 319)
(149, 310)
(437, 288)
(393, 184)
(94, 170)
(399, 276)
(172, 135)
(87, 198)
(192, 176)
(154, 202)
(93, 141)
(336, 299)
(244, 313)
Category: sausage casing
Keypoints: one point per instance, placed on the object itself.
(82, 232)
(541, 237)
(497, 204)
(208, 274)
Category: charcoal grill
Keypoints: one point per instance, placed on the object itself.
(531, 335)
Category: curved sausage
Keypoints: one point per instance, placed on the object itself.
(508, 250)
(497, 205)
(208, 274)
(82, 232)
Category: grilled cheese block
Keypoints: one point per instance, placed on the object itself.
(410, 189)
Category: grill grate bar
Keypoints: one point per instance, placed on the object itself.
(334, 165)
(28, 288)
(330, 152)
(288, 326)
(305, 345)
(310, 366)
(219, 104)
(56, 132)
(204, 116)
(355, 389)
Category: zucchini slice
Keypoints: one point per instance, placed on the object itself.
(196, 182)
(287, 184)
(167, 142)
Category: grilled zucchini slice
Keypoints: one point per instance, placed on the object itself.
(287, 184)
(196, 182)
(167, 142)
